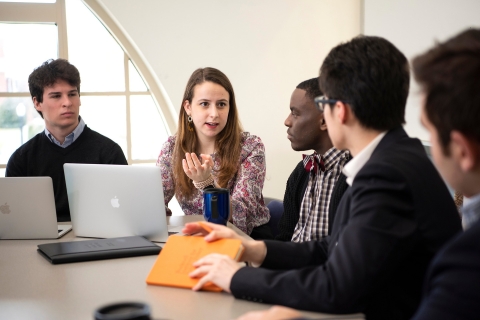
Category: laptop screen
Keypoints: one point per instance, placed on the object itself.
(27, 208)
(109, 201)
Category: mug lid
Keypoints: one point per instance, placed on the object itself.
(216, 190)
(123, 311)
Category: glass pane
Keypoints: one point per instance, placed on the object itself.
(19, 122)
(24, 47)
(106, 115)
(148, 130)
(93, 51)
(174, 206)
(136, 82)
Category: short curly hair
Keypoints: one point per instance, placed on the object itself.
(50, 72)
(311, 87)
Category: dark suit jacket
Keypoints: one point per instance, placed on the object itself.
(452, 286)
(292, 201)
(388, 226)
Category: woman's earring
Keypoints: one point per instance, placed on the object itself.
(190, 125)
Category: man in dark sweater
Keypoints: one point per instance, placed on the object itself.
(55, 90)
(317, 184)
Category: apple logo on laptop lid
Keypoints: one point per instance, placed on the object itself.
(5, 209)
(115, 202)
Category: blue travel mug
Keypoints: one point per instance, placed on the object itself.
(216, 205)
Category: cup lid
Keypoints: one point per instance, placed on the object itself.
(123, 311)
(216, 190)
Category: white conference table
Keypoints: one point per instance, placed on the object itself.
(32, 288)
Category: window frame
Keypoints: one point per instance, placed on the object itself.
(13, 12)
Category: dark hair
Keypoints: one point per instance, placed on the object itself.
(228, 141)
(50, 72)
(372, 76)
(449, 75)
(311, 87)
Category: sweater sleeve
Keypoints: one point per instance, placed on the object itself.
(116, 155)
(16, 166)
(337, 193)
(248, 207)
(291, 204)
(165, 163)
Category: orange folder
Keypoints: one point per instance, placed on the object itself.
(176, 259)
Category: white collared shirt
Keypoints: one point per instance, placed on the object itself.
(356, 164)
(70, 138)
(470, 211)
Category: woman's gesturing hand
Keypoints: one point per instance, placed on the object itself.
(196, 170)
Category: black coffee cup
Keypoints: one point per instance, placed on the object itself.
(123, 311)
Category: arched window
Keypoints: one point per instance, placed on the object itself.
(120, 97)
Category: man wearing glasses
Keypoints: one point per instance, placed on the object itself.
(391, 221)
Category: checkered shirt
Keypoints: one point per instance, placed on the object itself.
(313, 221)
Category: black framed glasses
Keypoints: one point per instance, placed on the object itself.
(321, 101)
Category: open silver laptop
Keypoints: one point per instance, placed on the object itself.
(27, 209)
(108, 201)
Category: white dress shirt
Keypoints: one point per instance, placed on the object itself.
(356, 164)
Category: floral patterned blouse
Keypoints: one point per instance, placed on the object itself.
(245, 187)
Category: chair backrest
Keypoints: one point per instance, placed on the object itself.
(276, 210)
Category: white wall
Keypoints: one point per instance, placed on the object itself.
(265, 47)
(414, 26)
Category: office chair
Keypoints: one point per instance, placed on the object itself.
(276, 210)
